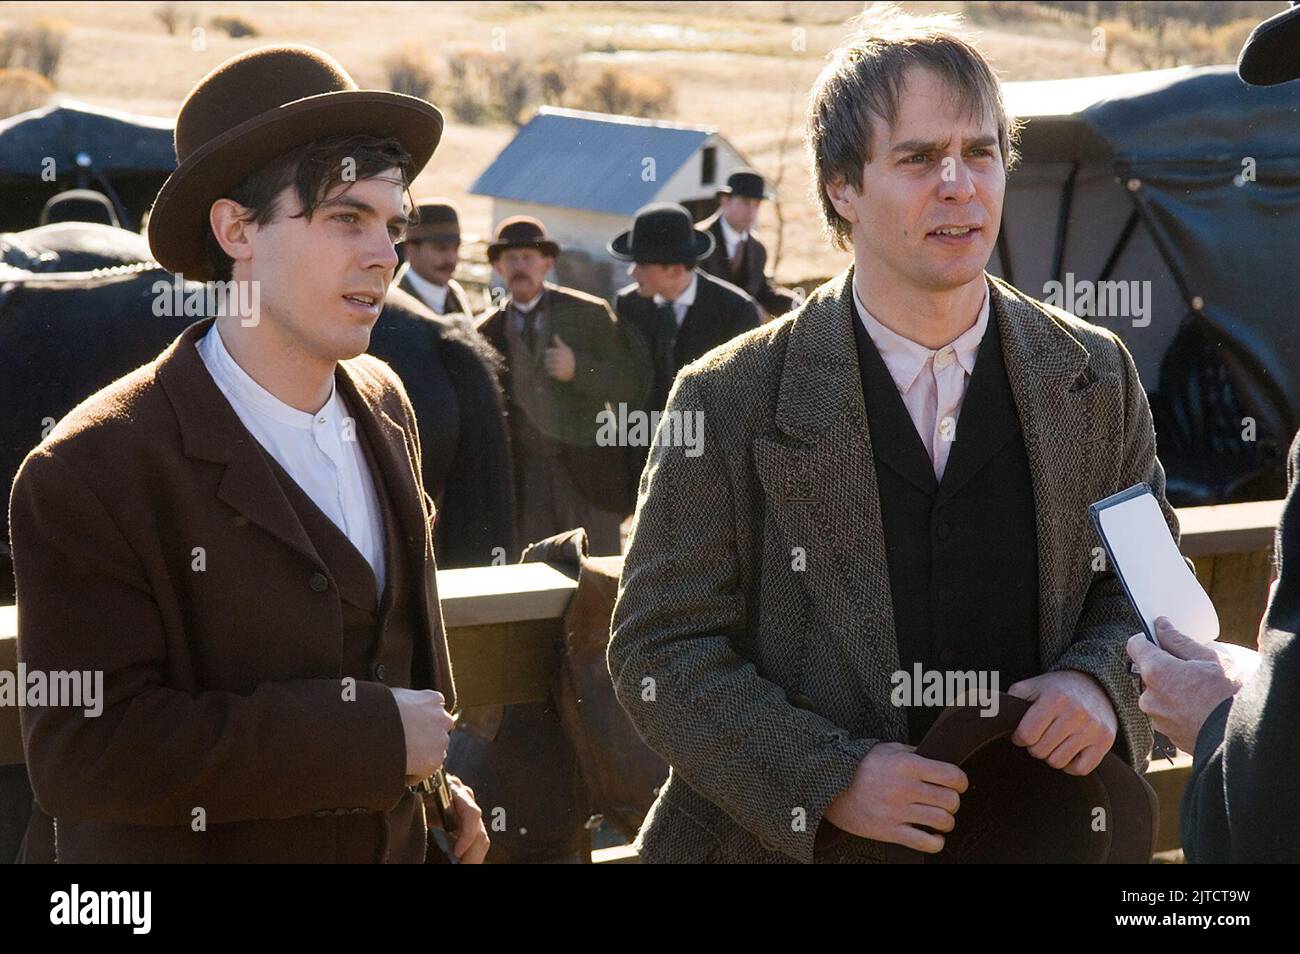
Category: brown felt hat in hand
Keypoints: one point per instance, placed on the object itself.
(1018, 809)
(254, 107)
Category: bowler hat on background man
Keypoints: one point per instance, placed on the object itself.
(1018, 809)
(255, 107)
(662, 234)
(79, 205)
(437, 221)
(521, 231)
(747, 184)
(1272, 52)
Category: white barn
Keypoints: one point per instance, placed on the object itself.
(585, 174)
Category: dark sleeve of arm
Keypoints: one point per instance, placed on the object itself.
(1241, 801)
(605, 367)
(155, 753)
(1204, 816)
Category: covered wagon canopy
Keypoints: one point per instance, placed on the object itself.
(1190, 180)
(73, 145)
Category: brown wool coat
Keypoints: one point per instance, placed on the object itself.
(222, 687)
(771, 683)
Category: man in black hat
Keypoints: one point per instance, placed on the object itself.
(680, 310)
(1238, 711)
(567, 360)
(432, 254)
(234, 534)
(738, 256)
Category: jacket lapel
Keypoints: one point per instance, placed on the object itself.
(820, 481)
(210, 430)
(1047, 371)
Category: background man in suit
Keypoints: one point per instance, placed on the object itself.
(1238, 711)
(738, 256)
(681, 311)
(895, 476)
(566, 360)
(234, 534)
(432, 254)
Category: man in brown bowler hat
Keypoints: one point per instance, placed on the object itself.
(233, 533)
(432, 254)
(567, 360)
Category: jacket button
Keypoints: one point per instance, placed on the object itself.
(380, 672)
(945, 595)
(947, 657)
(942, 531)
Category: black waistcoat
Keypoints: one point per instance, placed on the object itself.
(963, 553)
(379, 644)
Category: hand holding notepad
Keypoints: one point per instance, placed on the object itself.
(1146, 560)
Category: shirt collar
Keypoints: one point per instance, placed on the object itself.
(430, 292)
(906, 358)
(730, 234)
(238, 385)
(526, 306)
(686, 298)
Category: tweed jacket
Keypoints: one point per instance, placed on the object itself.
(221, 682)
(753, 636)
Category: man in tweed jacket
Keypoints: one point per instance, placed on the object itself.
(759, 622)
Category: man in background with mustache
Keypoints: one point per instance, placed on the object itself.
(567, 359)
(432, 253)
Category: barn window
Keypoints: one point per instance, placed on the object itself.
(708, 165)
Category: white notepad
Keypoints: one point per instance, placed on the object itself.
(1146, 560)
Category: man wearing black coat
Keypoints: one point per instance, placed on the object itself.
(681, 311)
(738, 255)
(1239, 712)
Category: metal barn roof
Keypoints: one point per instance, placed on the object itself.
(592, 161)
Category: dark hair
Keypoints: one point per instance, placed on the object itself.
(863, 81)
(313, 170)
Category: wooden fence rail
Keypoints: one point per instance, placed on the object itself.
(504, 624)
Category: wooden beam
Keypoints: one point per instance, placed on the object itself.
(1169, 782)
(1229, 528)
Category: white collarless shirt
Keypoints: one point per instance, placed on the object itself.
(321, 451)
(932, 382)
(683, 301)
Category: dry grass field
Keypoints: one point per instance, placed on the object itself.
(742, 67)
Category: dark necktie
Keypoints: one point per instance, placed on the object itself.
(530, 328)
(738, 256)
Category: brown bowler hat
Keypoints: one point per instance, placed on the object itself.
(254, 107)
(1020, 810)
(436, 220)
(521, 231)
